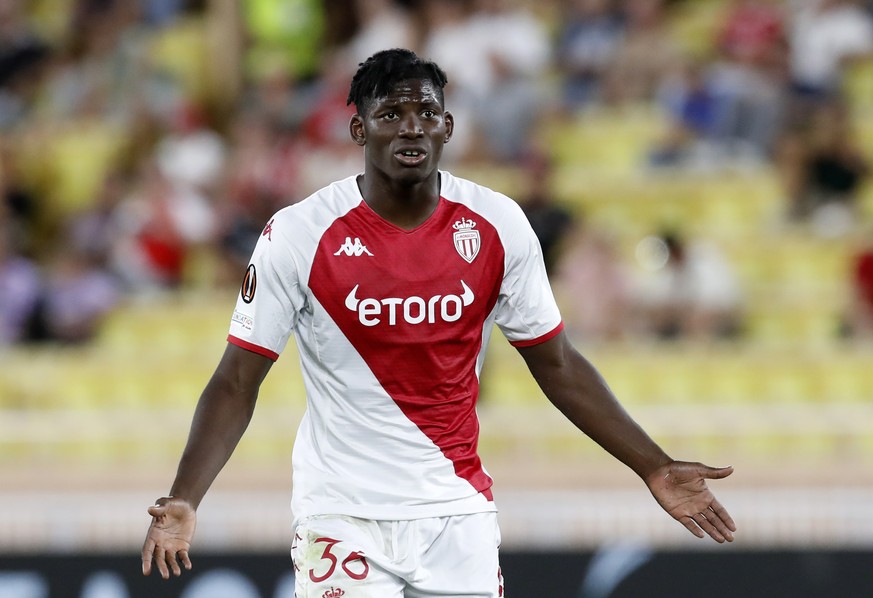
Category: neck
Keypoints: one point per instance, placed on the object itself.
(403, 205)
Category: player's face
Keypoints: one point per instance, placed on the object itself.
(404, 132)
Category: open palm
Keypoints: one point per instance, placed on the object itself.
(680, 488)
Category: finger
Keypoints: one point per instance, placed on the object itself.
(720, 525)
(707, 526)
(716, 473)
(157, 511)
(692, 527)
(173, 562)
(723, 515)
(161, 562)
(147, 552)
(186, 560)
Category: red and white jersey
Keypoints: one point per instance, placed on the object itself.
(391, 327)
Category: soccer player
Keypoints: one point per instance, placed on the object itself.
(391, 282)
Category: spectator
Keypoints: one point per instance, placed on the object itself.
(383, 24)
(823, 168)
(274, 95)
(95, 231)
(22, 55)
(191, 155)
(76, 297)
(514, 76)
(100, 73)
(749, 78)
(593, 286)
(159, 225)
(493, 81)
(818, 160)
(859, 317)
(20, 208)
(590, 34)
(161, 12)
(550, 222)
(825, 36)
(19, 287)
(646, 53)
(263, 174)
(325, 132)
(449, 42)
(688, 290)
(19, 43)
(693, 108)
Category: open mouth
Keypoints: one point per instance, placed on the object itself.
(410, 157)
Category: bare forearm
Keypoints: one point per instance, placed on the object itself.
(591, 406)
(222, 416)
(220, 420)
(575, 387)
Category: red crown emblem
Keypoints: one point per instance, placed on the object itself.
(333, 593)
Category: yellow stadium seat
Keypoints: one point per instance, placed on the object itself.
(733, 381)
(78, 157)
(858, 85)
(693, 25)
(613, 141)
(182, 51)
(865, 200)
(846, 378)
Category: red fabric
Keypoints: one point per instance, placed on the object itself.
(750, 33)
(539, 339)
(428, 366)
(167, 257)
(162, 243)
(252, 347)
(864, 276)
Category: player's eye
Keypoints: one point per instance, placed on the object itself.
(429, 114)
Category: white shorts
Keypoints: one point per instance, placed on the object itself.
(456, 556)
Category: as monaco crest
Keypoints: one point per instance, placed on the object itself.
(467, 240)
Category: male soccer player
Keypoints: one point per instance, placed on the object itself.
(391, 281)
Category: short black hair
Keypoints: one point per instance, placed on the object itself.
(385, 69)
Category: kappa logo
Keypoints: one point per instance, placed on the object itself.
(467, 240)
(333, 593)
(351, 248)
(413, 310)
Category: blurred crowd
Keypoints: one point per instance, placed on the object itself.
(145, 143)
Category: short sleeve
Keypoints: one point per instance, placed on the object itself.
(270, 297)
(527, 313)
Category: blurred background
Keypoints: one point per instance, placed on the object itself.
(697, 171)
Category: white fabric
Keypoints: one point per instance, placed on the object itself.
(444, 556)
(357, 451)
(822, 40)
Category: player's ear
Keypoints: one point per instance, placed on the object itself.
(356, 129)
(450, 125)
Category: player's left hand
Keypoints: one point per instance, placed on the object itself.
(680, 488)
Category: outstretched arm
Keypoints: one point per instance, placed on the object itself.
(222, 415)
(575, 387)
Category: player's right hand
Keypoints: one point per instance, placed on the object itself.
(169, 537)
(680, 488)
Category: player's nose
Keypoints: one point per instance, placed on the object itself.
(410, 126)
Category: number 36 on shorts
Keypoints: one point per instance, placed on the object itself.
(324, 559)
